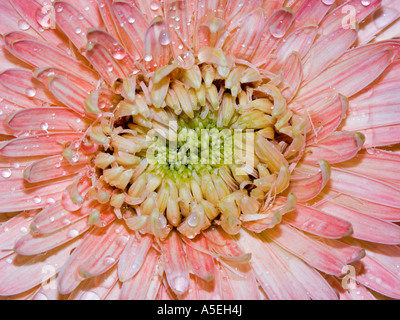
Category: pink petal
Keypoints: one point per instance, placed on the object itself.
(293, 74)
(32, 198)
(334, 19)
(13, 179)
(307, 187)
(177, 18)
(73, 23)
(201, 263)
(133, 256)
(235, 9)
(316, 222)
(134, 26)
(38, 145)
(22, 81)
(326, 50)
(306, 248)
(347, 77)
(310, 12)
(108, 16)
(32, 244)
(41, 55)
(381, 136)
(365, 227)
(358, 292)
(340, 146)
(20, 273)
(107, 251)
(156, 51)
(46, 119)
(363, 187)
(16, 98)
(245, 38)
(105, 64)
(175, 263)
(275, 28)
(146, 282)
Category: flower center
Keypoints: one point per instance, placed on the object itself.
(193, 144)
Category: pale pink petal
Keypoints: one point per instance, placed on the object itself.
(88, 8)
(32, 198)
(340, 146)
(310, 12)
(108, 16)
(46, 119)
(175, 263)
(293, 74)
(38, 145)
(18, 99)
(133, 256)
(381, 136)
(20, 273)
(142, 285)
(354, 292)
(363, 187)
(201, 263)
(365, 227)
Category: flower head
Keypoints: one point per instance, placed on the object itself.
(199, 149)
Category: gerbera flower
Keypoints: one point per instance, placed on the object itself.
(209, 149)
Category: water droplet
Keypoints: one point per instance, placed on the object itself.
(44, 126)
(78, 30)
(119, 53)
(73, 233)
(109, 260)
(80, 17)
(365, 3)
(23, 230)
(30, 92)
(131, 20)
(193, 220)
(23, 25)
(6, 173)
(37, 199)
(148, 57)
(328, 2)
(181, 284)
(154, 6)
(86, 8)
(66, 221)
(165, 38)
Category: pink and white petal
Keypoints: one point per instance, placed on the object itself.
(317, 222)
(113, 46)
(175, 263)
(275, 27)
(391, 72)
(215, 236)
(33, 244)
(376, 277)
(180, 23)
(340, 146)
(363, 187)
(381, 136)
(96, 288)
(107, 251)
(344, 251)
(90, 9)
(132, 26)
(209, 290)
(347, 77)
(307, 186)
(73, 23)
(354, 292)
(104, 63)
(300, 40)
(13, 229)
(311, 251)
(47, 119)
(46, 74)
(108, 17)
(202, 264)
(41, 55)
(23, 82)
(235, 9)
(293, 75)
(12, 179)
(391, 32)
(366, 207)
(245, 35)
(364, 227)
(20, 273)
(32, 198)
(21, 100)
(38, 145)
(133, 256)
(326, 50)
(69, 94)
(326, 115)
(271, 272)
(378, 21)
(346, 13)
(310, 12)
(378, 164)
(12, 20)
(145, 284)
(48, 292)
(156, 50)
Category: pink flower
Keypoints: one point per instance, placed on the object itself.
(231, 149)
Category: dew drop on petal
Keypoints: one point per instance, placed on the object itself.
(148, 57)
(165, 38)
(37, 199)
(154, 6)
(119, 53)
(365, 3)
(108, 260)
(44, 126)
(328, 2)
(78, 30)
(23, 25)
(73, 233)
(30, 92)
(131, 20)
(23, 230)
(6, 173)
